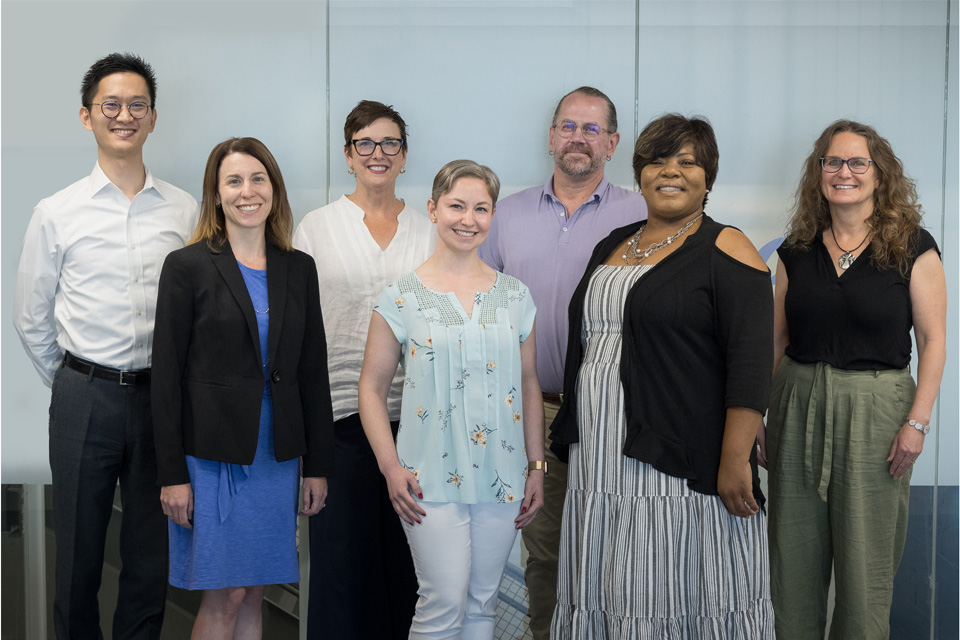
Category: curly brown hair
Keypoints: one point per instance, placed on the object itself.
(896, 212)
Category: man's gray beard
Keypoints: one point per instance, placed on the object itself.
(578, 169)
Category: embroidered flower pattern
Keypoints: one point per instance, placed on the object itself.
(491, 365)
(399, 302)
(509, 399)
(508, 447)
(479, 435)
(516, 416)
(422, 414)
(455, 479)
(502, 488)
(444, 416)
(415, 472)
(425, 347)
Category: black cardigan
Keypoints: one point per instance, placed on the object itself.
(698, 339)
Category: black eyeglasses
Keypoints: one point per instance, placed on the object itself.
(832, 164)
(366, 146)
(111, 109)
(567, 128)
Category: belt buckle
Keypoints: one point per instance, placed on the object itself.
(132, 375)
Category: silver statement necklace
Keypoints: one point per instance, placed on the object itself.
(638, 255)
(847, 258)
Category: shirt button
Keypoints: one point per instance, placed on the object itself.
(140, 345)
(136, 279)
(275, 376)
(139, 312)
(564, 228)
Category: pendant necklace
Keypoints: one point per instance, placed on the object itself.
(847, 258)
(639, 255)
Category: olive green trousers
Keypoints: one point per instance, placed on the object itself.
(833, 503)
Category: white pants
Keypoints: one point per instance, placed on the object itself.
(459, 552)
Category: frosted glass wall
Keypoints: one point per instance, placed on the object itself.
(479, 79)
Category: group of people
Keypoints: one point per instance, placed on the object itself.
(583, 363)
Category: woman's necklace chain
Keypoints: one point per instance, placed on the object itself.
(846, 258)
(639, 255)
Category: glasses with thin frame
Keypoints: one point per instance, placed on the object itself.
(832, 164)
(366, 146)
(590, 130)
(111, 108)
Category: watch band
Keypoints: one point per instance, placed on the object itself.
(537, 465)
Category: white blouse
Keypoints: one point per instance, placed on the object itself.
(353, 271)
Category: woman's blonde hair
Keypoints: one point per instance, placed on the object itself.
(456, 169)
(896, 212)
(212, 225)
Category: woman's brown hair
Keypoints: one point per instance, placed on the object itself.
(896, 212)
(211, 228)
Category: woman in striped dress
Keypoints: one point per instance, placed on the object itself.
(666, 381)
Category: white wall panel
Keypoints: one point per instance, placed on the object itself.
(478, 79)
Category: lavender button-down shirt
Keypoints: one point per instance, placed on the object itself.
(532, 239)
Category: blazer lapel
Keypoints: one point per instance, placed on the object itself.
(277, 262)
(226, 264)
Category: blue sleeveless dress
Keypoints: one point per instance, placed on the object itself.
(245, 516)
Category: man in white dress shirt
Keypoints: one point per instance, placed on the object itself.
(84, 309)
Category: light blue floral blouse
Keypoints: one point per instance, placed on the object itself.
(461, 418)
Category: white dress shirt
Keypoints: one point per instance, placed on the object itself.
(353, 271)
(88, 274)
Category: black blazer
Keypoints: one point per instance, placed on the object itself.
(207, 382)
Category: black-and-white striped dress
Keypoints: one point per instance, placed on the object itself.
(641, 554)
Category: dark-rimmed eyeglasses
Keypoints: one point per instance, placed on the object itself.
(832, 164)
(366, 146)
(111, 109)
(590, 130)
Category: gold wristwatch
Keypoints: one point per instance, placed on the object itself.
(537, 465)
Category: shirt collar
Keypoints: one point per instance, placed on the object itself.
(598, 193)
(99, 181)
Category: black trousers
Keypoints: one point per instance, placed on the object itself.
(102, 433)
(362, 582)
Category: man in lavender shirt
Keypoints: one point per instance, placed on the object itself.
(544, 236)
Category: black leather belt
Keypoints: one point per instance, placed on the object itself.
(123, 377)
(555, 398)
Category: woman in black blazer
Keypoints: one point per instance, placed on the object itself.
(240, 392)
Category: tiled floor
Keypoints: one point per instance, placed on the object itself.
(512, 608)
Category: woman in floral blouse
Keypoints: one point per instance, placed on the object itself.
(469, 423)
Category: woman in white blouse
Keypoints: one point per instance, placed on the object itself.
(362, 581)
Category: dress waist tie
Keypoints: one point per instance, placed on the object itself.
(232, 479)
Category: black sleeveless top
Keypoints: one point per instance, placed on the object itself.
(859, 320)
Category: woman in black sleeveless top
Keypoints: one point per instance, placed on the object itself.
(846, 421)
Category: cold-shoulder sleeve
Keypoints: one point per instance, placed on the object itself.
(744, 321)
